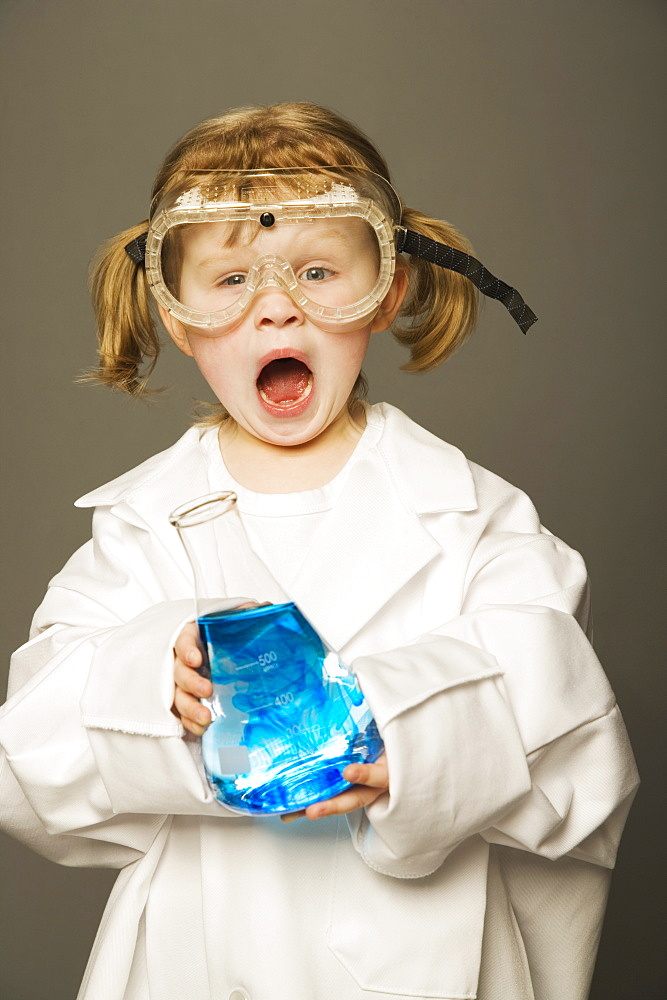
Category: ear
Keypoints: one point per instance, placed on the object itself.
(392, 302)
(176, 331)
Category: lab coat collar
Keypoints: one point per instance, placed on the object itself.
(430, 475)
(147, 494)
(149, 480)
(389, 489)
(374, 540)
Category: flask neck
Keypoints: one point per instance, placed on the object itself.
(195, 524)
(222, 560)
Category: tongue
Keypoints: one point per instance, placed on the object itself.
(283, 380)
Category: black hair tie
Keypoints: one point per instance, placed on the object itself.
(136, 249)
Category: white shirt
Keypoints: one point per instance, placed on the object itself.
(282, 527)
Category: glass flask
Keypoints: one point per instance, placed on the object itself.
(287, 714)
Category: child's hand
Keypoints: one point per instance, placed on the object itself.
(190, 686)
(370, 781)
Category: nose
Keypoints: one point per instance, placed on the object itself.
(274, 307)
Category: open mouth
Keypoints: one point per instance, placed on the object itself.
(285, 382)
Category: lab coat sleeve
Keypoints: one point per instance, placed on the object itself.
(501, 723)
(95, 759)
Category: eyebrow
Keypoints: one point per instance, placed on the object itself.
(329, 236)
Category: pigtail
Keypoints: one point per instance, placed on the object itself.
(440, 305)
(126, 331)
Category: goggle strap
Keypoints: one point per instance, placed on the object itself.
(452, 259)
(136, 248)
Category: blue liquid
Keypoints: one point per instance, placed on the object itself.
(288, 716)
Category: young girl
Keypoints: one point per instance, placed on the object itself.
(472, 860)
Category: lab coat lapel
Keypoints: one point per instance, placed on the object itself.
(367, 549)
(374, 541)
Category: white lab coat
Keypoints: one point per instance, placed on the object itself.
(483, 873)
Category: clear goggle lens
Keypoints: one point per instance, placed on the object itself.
(327, 241)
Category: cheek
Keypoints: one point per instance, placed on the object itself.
(218, 359)
(351, 351)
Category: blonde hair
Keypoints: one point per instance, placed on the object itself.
(438, 312)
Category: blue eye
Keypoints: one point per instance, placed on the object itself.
(316, 273)
(233, 279)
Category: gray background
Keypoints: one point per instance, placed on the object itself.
(533, 126)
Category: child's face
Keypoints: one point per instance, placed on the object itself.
(279, 376)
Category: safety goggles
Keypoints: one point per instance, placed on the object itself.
(327, 236)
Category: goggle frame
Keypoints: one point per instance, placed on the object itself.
(190, 205)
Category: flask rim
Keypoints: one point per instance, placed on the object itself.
(238, 614)
(202, 509)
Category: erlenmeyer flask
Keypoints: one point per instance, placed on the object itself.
(287, 714)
